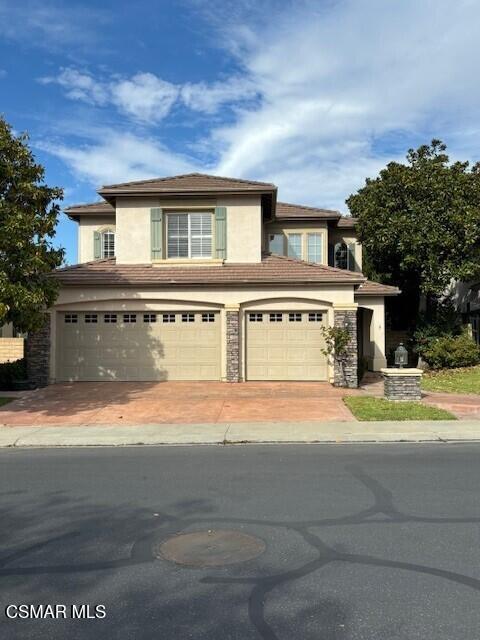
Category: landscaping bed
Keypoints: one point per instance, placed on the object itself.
(368, 408)
(5, 400)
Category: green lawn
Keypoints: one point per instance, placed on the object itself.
(453, 380)
(368, 408)
(5, 400)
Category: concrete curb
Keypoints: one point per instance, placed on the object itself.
(93, 435)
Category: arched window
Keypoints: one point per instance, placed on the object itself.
(108, 244)
(340, 256)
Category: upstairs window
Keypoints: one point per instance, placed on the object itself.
(294, 243)
(108, 244)
(189, 235)
(276, 243)
(314, 247)
(344, 256)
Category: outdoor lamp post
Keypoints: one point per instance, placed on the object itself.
(401, 356)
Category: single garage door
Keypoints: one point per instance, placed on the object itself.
(286, 345)
(138, 346)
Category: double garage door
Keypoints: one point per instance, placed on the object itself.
(187, 346)
(138, 346)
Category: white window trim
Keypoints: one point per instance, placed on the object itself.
(189, 235)
(103, 232)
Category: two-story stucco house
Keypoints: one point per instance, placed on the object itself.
(198, 277)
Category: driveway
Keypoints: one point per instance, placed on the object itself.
(177, 402)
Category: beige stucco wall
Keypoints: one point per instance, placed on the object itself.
(86, 228)
(374, 337)
(314, 226)
(267, 298)
(244, 225)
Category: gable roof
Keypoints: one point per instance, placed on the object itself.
(286, 211)
(347, 222)
(272, 270)
(188, 183)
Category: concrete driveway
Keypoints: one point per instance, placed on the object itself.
(177, 402)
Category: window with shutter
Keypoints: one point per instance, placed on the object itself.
(189, 235)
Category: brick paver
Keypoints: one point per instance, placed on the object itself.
(177, 402)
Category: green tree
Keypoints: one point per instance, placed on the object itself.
(420, 223)
(29, 212)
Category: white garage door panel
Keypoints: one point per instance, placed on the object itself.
(286, 350)
(138, 351)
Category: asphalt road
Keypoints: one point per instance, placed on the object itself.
(362, 542)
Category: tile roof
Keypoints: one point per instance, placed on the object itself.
(347, 222)
(188, 183)
(285, 210)
(94, 208)
(370, 288)
(274, 270)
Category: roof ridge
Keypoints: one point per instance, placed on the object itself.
(185, 175)
(87, 204)
(305, 206)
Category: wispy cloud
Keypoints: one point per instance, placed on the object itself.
(51, 25)
(147, 98)
(323, 94)
(111, 156)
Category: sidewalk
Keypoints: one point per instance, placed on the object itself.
(89, 435)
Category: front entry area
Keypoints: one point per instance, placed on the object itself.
(138, 346)
(285, 345)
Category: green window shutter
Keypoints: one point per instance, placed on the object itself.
(351, 257)
(156, 233)
(97, 245)
(221, 232)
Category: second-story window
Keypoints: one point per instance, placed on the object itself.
(189, 235)
(344, 256)
(108, 244)
(314, 247)
(294, 244)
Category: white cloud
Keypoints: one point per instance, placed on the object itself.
(112, 156)
(208, 98)
(323, 93)
(79, 86)
(145, 96)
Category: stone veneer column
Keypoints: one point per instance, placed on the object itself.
(402, 384)
(233, 343)
(346, 370)
(37, 354)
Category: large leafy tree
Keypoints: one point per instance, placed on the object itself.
(29, 212)
(419, 223)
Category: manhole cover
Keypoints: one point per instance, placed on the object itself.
(213, 548)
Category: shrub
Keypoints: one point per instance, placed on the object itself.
(11, 372)
(451, 352)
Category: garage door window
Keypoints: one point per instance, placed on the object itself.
(188, 317)
(129, 318)
(294, 317)
(71, 318)
(168, 317)
(149, 317)
(255, 317)
(208, 317)
(315, 317)
(91, 318)
(189, 235)
(110, 318)
(276, 317)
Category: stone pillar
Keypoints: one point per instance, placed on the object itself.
(233, 344)
(346, 368)
(402, 384)
(37, 354)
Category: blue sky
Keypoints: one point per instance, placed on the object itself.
(314, 96)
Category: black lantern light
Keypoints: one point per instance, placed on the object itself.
(401, 356)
